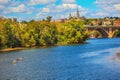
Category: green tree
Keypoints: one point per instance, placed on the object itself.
(49, 18)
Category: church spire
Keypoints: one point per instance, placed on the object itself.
(70, 16)
(77, 14)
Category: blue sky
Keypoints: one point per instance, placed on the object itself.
(39, 9)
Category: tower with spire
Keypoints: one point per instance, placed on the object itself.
(70, 16)
(77, 14)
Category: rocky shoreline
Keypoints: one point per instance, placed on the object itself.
(12, 49)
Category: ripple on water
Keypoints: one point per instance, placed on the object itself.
(105, 57)
(64, 62)
(110, 51)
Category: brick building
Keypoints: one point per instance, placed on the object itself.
(95, 23)
(117, 22)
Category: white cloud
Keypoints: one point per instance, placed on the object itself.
(4, 1)
(45, 10)
(117, 6)
(101, 14)
(60, 11)
(71, 6)
(83, 13)
(62, 8)
(108, 7)
(17, 9)
(20, 8)
(1, 7)
(69, 1)
(107, 2)
(38, 2)
(40, 15)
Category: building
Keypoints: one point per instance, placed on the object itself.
(95, 23)
(116, 22)
(77, 14)
(63, 20)
(70, 16)
(106, 22)
(76, 17)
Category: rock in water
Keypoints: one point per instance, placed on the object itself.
(118, 55)
(14, 62)
(20, 59)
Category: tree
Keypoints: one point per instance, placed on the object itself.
(49, 18)
(40, 33)
(32, 42)
(14, 19)
(117, 33)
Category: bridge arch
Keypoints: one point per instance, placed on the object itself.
(114, 33)
(103, 32)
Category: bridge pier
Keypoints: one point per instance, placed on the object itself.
(110, 36)
(110, 33)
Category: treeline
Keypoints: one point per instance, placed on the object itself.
(89, 21)
(40, 33)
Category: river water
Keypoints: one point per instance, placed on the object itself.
(94, 60)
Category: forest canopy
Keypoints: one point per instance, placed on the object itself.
(40, 33)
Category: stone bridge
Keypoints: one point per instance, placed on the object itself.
(106, 31)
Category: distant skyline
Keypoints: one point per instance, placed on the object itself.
(39, 9)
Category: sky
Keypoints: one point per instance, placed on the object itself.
(58, 9)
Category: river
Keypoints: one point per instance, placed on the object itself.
(90, 61)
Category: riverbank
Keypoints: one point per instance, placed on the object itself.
(12, 49)
(24, 48)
